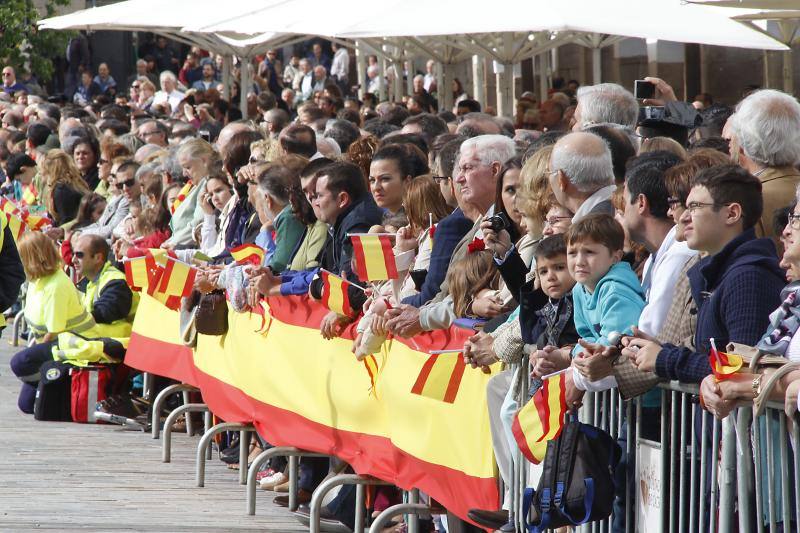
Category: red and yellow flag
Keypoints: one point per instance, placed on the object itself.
(248, 254)
(373, 369)
(542, 418)
(334, 294)
(172, 282)
(182, 194)
(35, 222)
(374, 257)
(30, 196)
(16, 226)
(140, 272)
(723, 365)
(440, 377)
(8, 207)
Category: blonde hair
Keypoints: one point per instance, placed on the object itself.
(39, 255)
(59, 168)
(199, 148)
(535, 196)
(470, 275)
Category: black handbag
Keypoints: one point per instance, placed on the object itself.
(211, 316)
(577, 483)
(53, 393)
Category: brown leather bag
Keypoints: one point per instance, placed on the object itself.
(211, 317)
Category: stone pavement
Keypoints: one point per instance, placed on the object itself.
(58, 476)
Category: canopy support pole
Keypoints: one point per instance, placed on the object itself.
(596, 65)
(478, 87)
(244, 84)
(505, 90)
(361, 68)
(382, 89)
(226, 76)
(440, 84)
(410, 77)
(446, 100)
(398, 79)
(544, 84)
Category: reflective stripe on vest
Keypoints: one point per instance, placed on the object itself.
(119, 328)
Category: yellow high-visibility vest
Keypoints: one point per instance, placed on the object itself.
(119, 329)
(53, 305)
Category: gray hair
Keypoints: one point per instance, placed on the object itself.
(767, 126)
(342, 131)
(490, 148)
(147, 168)
(607, 102)
(167, 75)
(170, 163)
(587, 165)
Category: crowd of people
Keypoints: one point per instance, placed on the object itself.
(580, 217)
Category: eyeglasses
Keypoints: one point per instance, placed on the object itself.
(694, 206)
(129, 183)
(102, 161)
(552, 221)
(79, 255)
(437, 179)
(6, 74)
(134, 86)
(794, 221)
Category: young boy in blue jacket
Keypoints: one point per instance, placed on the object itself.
(607, 296)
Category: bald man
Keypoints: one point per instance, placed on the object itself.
(582, 174)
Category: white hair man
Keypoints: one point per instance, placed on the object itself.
(475, 174)
(605, 102)
(582, 175)
(169, 92)
(766, 131)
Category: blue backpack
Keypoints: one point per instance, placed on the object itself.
(577, 484)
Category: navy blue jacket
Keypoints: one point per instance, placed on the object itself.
(734, 291)
(449, 232)
(337, 253)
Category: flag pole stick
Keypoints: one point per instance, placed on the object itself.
(548, 376)
(716, 353)
(439, 352)
(362, 289)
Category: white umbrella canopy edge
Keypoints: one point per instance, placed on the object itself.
(670, 20)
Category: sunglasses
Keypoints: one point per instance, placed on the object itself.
(129, 183)
(79, 255)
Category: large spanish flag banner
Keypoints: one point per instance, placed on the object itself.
(301, 390)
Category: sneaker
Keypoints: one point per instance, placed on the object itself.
(262, 474)
(275, 480)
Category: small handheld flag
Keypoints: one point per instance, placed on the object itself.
(374, 257)
(182, 194)
(140, 272)
(723, 365)
(248, 254)
(172, 282)
(334, 293)
(30, 195)
(16, 226)
(440, 376)
(542, 418)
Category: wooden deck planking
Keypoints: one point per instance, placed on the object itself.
(84, 477)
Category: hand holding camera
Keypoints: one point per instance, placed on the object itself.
(495, 234)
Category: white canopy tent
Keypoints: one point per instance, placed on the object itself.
(169, 18)
(508, 32)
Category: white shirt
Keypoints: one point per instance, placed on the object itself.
(428, 81)
(341, 64)
(590, 203)
(663, 275)
(174, 98)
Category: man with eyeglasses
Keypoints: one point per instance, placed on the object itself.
(153, 132)
(735, 287)
(117, 208)
(10, 83)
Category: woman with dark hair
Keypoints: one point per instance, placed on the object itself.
(86, 152)
(459, 93)
(393, 167)
(505, 196)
